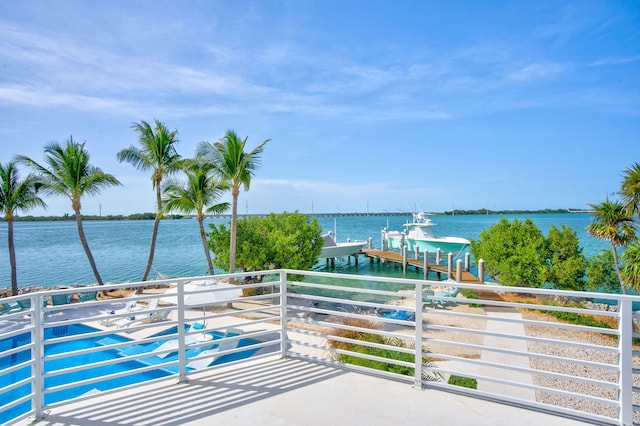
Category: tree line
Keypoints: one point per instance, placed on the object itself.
(518, 254)
(216, 168)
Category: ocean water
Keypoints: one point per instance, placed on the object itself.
(50, 254)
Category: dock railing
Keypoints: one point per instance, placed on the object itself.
(567, 353)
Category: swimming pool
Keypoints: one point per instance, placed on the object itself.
(126, 366)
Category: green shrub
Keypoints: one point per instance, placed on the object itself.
(470, 294)
(465, 382)
(578, 319)
(389, 354)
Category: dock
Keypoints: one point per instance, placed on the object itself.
(395, 257)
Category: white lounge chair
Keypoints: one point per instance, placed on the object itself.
(147, 314)
(129, 308)
(205, 358)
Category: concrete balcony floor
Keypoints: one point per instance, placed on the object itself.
(273, 391)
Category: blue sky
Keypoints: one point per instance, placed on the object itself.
(373, 106)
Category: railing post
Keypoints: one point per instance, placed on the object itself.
(404, 259)
(426, 264)
(625, 346)
(283, 314)
(417, 370)
(37, 336)
(182, 356)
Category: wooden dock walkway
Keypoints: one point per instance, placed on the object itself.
(391, 256)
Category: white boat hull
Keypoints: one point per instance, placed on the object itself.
(446, 244)
(419, 237)
(342, 249)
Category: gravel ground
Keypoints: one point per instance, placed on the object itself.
(572, 386)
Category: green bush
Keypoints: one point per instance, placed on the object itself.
(465, 382)
(469, 294)
(368, 350)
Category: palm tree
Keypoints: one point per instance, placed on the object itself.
(200, 190)
(630, 190)
(69, 173)
(235, 167)
(613, 224)
(16, 195)
(157, 153)
(631, 268)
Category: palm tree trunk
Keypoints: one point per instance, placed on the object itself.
(12, 259)
(617, 265)
(85, 246)
(234, 221)
(205, 245)
(154, 234)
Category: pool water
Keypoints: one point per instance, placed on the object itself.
(129, 366)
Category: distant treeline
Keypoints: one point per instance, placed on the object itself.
(151, 216)
(489, 211)
(137, 216)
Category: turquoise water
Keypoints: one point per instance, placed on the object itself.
(50, 254)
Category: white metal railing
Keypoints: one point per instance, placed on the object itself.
(508, 345)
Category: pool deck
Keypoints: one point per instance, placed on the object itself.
(274, 391)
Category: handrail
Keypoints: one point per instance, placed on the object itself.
(301, 318)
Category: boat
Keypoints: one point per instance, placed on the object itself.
(332, 249)
(419, 236)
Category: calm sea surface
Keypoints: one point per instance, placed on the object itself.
(50, 254)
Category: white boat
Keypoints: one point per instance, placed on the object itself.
(418, 235)
(333, 249)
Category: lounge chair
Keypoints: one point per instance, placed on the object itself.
(130, 308)
(447, 293)
(147, 315)
(87, 296)
(60, 299)
(7, 308)
(25, 304)
(206, 358)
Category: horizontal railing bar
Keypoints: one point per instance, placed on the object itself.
(531, 386)
(17, 402)
(343, 366)
(17, 332)
(15, 385)
(525, 337)
(353, 328)
(342, 301)
(528, 370)
(541, 406)
(92, 365)
(106, 377)
(372, 344)
(530, 306)
(528, 354)
(371, 357)
(611, 331)
(15, 367)
(17, 349)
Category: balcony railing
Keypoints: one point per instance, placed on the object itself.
(514, 345)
